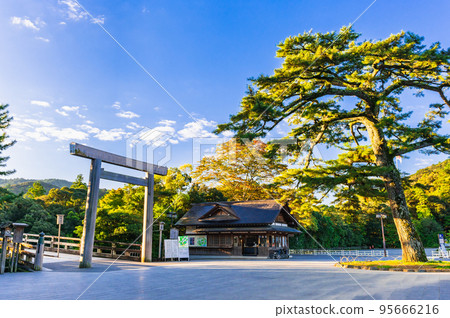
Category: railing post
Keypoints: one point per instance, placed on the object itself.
(3, 254)
(39, 258)
(113, 249)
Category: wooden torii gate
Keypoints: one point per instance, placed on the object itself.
(96, 172)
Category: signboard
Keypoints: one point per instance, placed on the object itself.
(198, 240)
(176, 248)
(59, 218)
(161, 226)
(183, 246)
(174, 234)
(171, 248)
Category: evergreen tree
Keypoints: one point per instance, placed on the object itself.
(78, 183)
(345, 94)
(5, 122)
(35, 191)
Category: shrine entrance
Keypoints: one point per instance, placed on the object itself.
(96, 173)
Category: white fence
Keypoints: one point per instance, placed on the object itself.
(339, 252)
(440, 254)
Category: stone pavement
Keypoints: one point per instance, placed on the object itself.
(301, 277)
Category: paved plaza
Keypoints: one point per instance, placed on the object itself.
(301, 277)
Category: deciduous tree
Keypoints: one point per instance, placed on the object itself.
(239, 171)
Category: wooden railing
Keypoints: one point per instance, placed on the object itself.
(24, 258)
(71, 245)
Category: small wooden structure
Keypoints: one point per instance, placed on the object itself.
(250, 228)
(97, 157)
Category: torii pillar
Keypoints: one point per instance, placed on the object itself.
(97, 173)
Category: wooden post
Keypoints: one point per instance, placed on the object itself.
(3, 255)
(59, 238)
(87, 241)
(147, 230)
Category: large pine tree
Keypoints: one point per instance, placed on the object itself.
(342, 93)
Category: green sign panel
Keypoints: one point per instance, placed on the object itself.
(201, 241)
(183, 241)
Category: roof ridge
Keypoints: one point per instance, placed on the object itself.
(231, 202)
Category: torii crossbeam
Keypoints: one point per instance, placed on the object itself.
(96, 173)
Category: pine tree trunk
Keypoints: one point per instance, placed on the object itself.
(412, 247)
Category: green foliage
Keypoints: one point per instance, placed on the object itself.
(119, 215)
(5, 122)
(23, 210)
(21, 185)
(428, 229)
(201, 193)
(428, 193)
(35, 191)
(78, 183)
(329, 231)
(240, 171)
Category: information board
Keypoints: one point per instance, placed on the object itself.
(171, 248)
(183, 247)
(198, 240)
(174, 233)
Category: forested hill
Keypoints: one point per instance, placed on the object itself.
(435, 175)
(21, 185)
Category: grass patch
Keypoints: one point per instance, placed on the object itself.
(439, 265)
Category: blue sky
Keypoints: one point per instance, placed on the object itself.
(67, 80)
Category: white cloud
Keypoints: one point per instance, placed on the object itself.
(66, 110)
(62, 133)
(62, 113)
(24, 129)
(424, 162)
(89, 129)
(104, 134)
(156, 108)
(166, 122)
(37, 136)
(116, 105)
(40, 103)
(127, 114)
(228, 134)
(134, 126)
(197, 129)
(27, 23)
(42, 39)
(70, 108)
(155, 137)
(89, 122)
(75, 12)
(62, 23)
(98, 20)
(111, 135)
(35, 122)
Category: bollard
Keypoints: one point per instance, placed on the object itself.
(39, 258)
